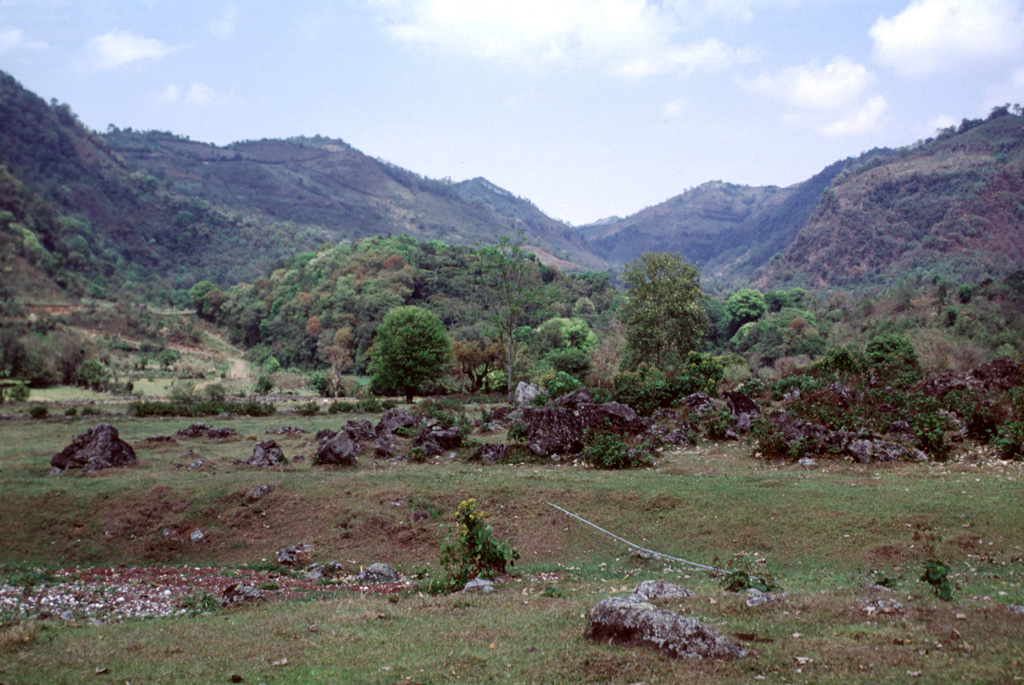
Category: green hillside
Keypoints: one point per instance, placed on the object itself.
(77, 219)
(324, 182)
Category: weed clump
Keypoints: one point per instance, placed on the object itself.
(472, 552)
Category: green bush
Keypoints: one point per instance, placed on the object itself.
(936, 574)
(19, 392)
(648, 389)
(91, 374)
(320, 383)
(474, 551)
(369, 405)
(38, 411)
(264, 384)
(608, 450)
(561, 383)
(893, 357)
(310, 408)
(201, 408)
(341, 407)
(517, 432)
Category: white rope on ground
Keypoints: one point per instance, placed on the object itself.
(634, 546)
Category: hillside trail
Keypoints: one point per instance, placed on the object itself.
(239, 369)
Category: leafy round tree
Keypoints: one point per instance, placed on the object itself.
(746, 305)
(411, 348)
(663, 314)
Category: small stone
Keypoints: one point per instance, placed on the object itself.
(196, 535)
(478, 584)
(377, 573)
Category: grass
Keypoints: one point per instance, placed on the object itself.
(822, 534)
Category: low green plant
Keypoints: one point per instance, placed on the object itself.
(369, 405)
(561, 383)
(517, 432)
(741, 581)
(719, 422)
(200, 603)
(71, 411)
(936, 574)
(473, 551)
(19, 392)
(38, 411)
(310, 408)
(608, 450)
(341, 407)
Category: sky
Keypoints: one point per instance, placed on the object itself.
(588, 108)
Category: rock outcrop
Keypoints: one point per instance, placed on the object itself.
(98, 448)
(634, 623)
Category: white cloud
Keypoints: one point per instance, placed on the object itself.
(168, 95)
(12, 39)
(861, 120)
(834, 85)
(223, 25)
(831, 99)
(932, 36)
(629, 37)
(200, 94)
(674, 109)
(117, 48)
(708, 55)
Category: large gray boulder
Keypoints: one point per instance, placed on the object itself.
(97, 448)
(633, 623)
(621, 416)
(526, 393)
(394, 419)
(740, 403)
(553, 430)
(341, 450)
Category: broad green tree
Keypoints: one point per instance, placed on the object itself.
(512, 294)
(744, 306)
(411, 347)
(663, 311)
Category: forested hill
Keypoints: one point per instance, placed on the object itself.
(77, 219)
(151, 214)
(324, 182)
(952, 207)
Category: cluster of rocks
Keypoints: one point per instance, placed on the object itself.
(559, 428)
(865, 447)
(634, 621)
(201, 430)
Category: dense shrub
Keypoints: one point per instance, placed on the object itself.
(560, 383)
(200, 408)
(648, 389)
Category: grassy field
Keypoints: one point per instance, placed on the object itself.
(822, 534)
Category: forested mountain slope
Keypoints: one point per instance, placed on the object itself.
(952, 207)
(324, 182)
(76, 213)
